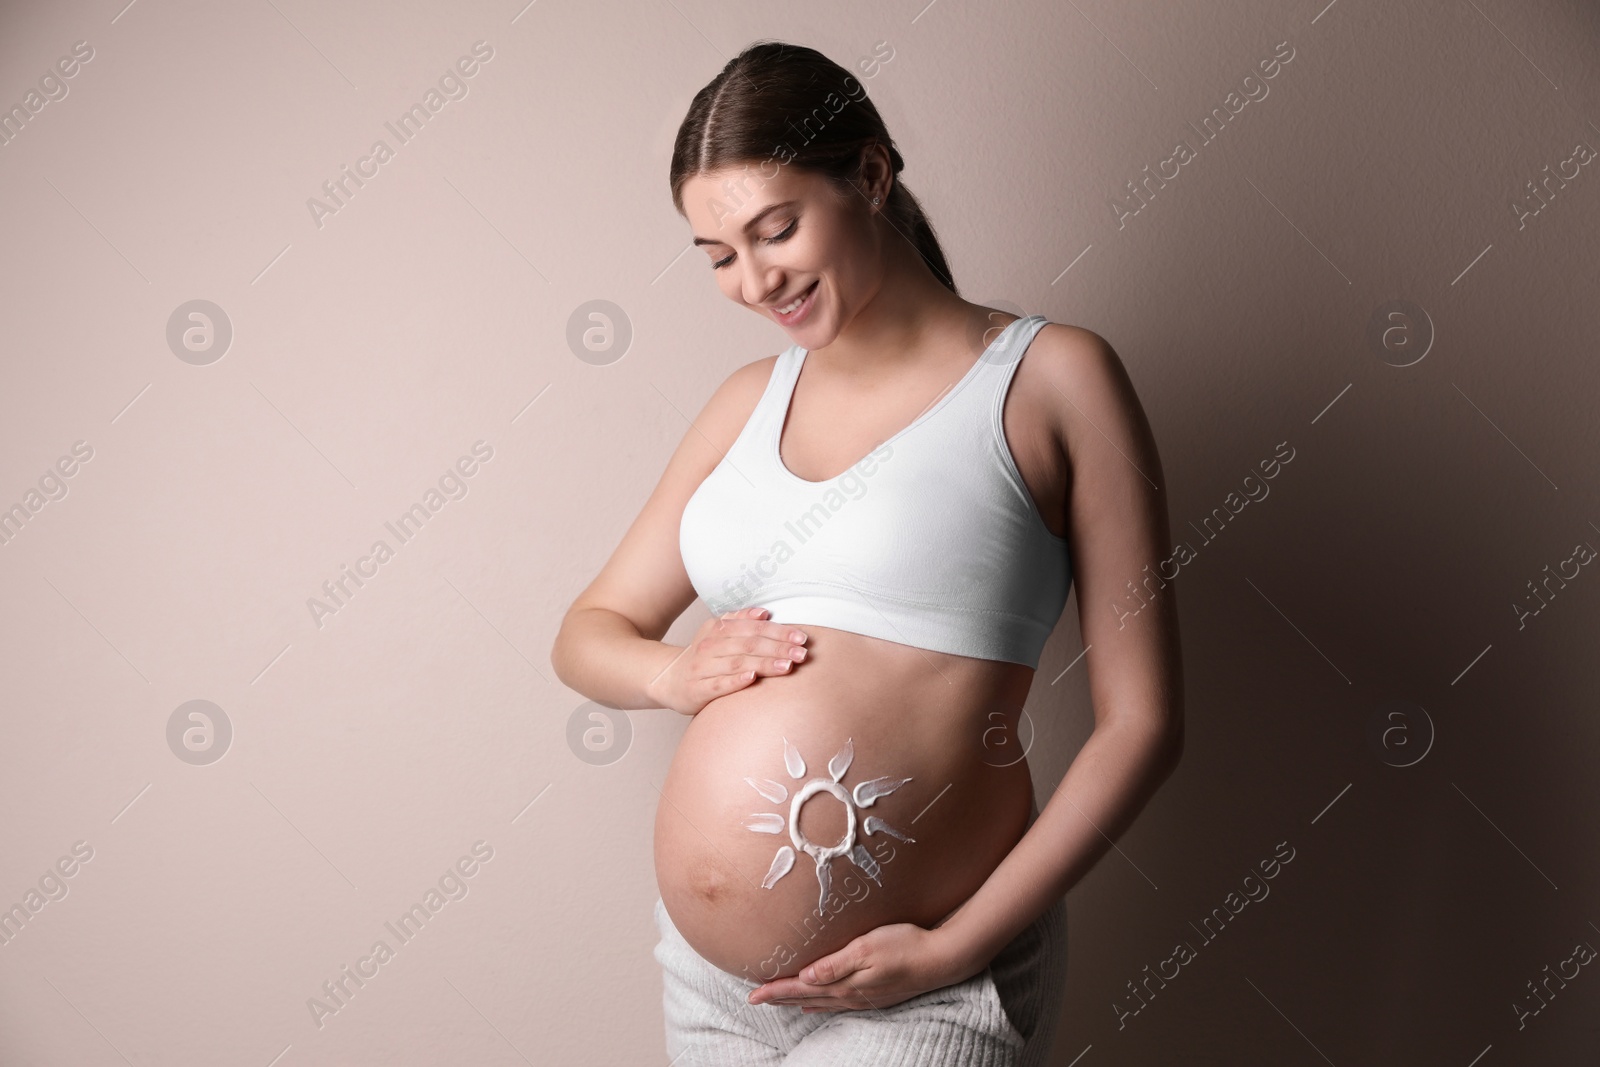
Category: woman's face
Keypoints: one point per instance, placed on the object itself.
(773, 240)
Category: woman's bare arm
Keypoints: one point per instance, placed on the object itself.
(609, 646)
(1117, 525)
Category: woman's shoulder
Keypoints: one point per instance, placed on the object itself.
(1068, 354)
(1064, 336)
(743, 387)
(1087, 389)
(1059, 344)
(735, 400)
(1073, 363)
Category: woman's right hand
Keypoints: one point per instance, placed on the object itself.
(726, 655)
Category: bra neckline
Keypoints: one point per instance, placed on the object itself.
(927, 413)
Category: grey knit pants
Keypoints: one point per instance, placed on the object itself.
(1003, 1016)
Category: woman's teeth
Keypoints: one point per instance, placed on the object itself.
(801, 299)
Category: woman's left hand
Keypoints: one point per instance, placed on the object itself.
(881, 967)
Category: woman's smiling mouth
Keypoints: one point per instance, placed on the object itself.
(791, 313)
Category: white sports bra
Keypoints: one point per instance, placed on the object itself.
(930, 540)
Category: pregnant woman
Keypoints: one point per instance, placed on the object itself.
(884, 520)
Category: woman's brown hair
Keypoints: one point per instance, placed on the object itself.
(773, 94)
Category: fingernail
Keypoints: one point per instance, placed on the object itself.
(797, 637)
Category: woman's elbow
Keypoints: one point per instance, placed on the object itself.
(562, 648)
(1172, 748)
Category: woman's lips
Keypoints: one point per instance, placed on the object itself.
(794, 317)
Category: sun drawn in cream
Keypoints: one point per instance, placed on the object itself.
(863, 796)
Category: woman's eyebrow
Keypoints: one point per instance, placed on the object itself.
(754, 221)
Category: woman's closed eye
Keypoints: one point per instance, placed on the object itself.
(784, 235)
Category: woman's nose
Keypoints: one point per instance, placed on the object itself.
(761, 284)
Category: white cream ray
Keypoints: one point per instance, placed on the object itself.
(841, 761)
(792, 761)
(781, 862)
(869, 791)
(773, 791)
(872, 824)
(861, 858)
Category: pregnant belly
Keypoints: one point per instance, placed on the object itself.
(875, 784)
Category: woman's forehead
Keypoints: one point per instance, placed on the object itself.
(734, 195)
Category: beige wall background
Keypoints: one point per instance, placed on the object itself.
(181, 480)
